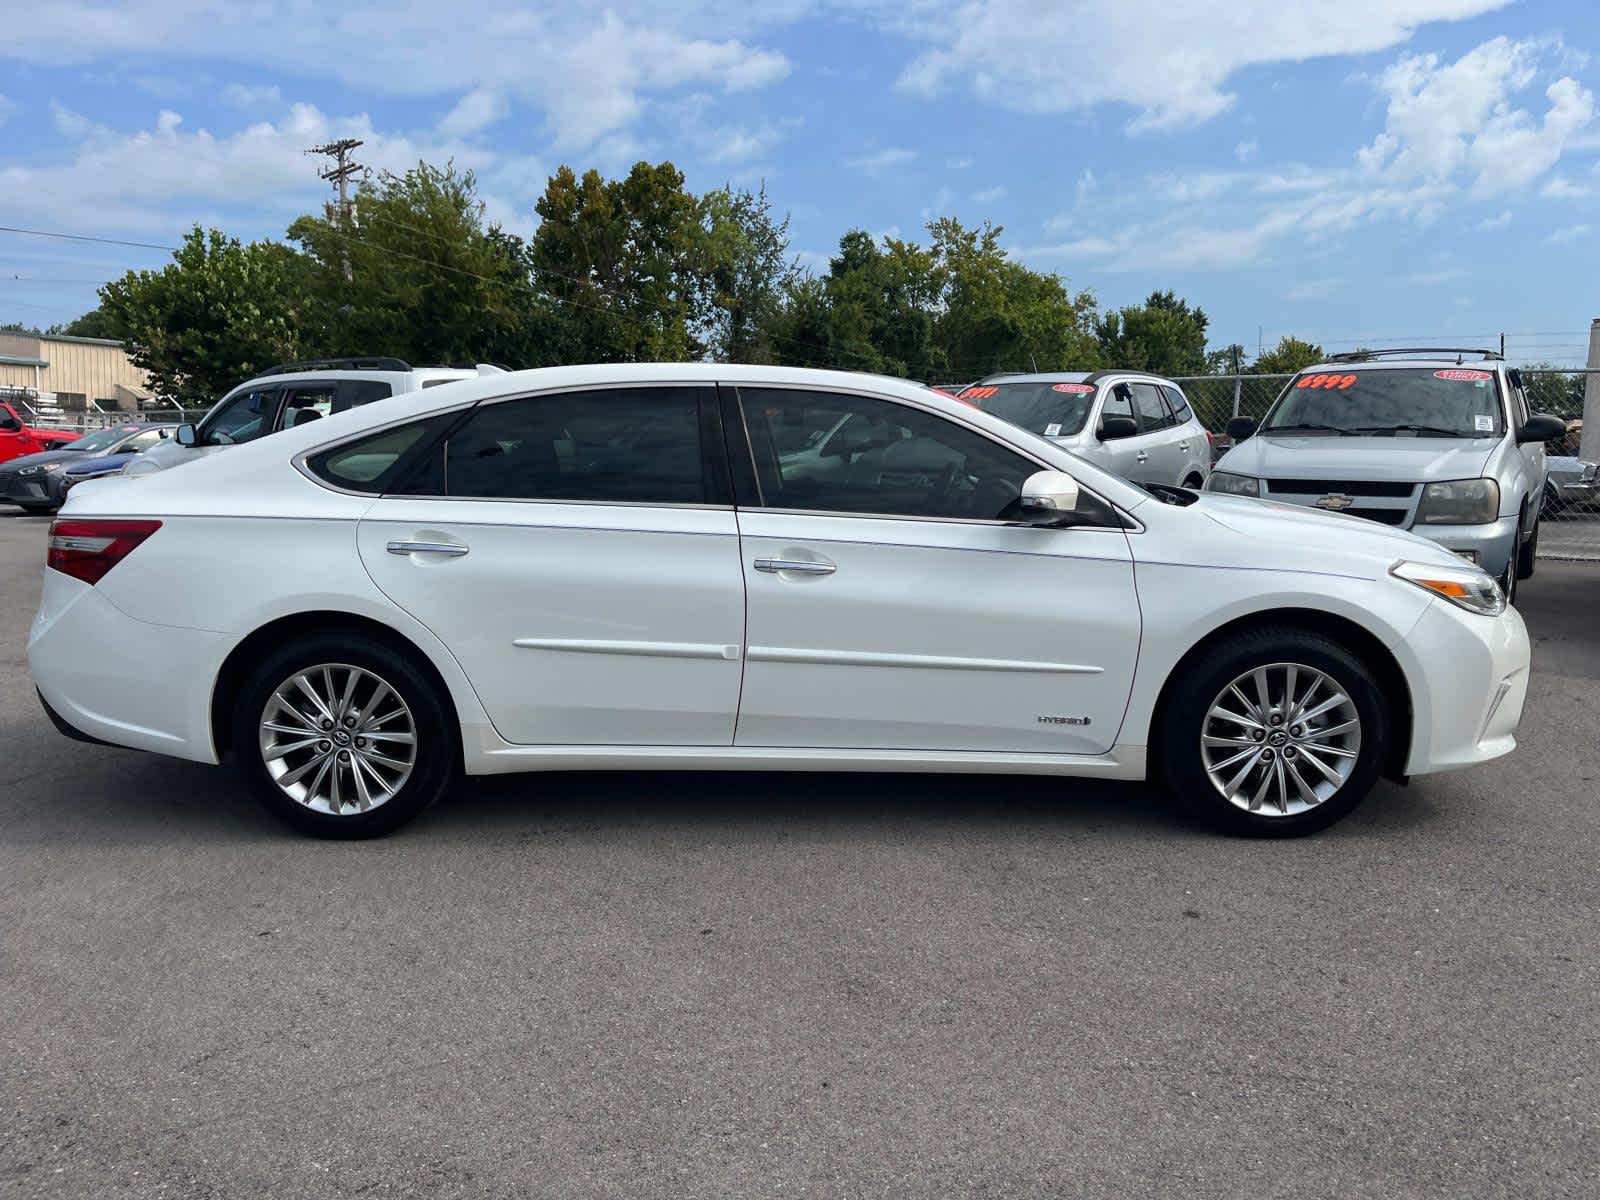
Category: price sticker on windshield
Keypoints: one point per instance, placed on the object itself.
(1334, 382)
(977, 393)
(1074, 389)
(1460, 375)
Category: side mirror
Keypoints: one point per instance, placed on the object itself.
(186, 435)
(1049, 498)
(1240, 428)
(1112, 428)
(1541, 428)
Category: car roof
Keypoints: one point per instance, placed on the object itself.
(316, 373)
(1404, 364)
(1075, 376)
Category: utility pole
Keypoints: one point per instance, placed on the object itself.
(344, 168)
(1589, 447)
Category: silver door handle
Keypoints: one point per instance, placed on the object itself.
(800, 566)
(449, 549)
(1184, 446)
(1142, 456)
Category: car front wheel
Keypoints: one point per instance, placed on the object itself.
(1275, 733)
(341, 736)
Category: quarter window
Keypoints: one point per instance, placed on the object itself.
(626, 445)
(828, 452)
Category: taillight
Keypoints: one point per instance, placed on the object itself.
(86, 550)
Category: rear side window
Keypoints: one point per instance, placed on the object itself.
(1147, 403)
(1175, 401)
(623, 445)
(353, 393)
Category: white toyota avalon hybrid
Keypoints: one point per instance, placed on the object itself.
(647, 567)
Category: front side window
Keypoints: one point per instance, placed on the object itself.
(624, 445)
(243, 418)
(143, 442)
(1404, 401)
(863, 455)
(304, 403)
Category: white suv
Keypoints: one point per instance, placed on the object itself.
(1140, 426)
(293, 394)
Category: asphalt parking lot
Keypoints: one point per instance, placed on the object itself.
(739, 985)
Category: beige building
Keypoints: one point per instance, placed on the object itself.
(71, 373)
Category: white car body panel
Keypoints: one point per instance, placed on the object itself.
(645, 621)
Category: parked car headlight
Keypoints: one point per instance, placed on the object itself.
(40, 469)
(1459, 502)
(1233, 485)
(1465, 587)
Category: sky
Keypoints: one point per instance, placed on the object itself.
(1355, 171)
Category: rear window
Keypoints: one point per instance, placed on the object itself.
(1049, 409)
(1404, 402)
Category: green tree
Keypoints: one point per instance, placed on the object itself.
(624, 260)
(1164, 335)
(417, 273)
(1229, 360)
(96, 323)
(1550, 389)
(1287, 357)
(219, 312)
(998, 315)
(747, 269)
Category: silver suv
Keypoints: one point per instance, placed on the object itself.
(1440, 442)
(1140, 426)
(293, 394)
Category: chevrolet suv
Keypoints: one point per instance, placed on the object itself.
(292, 394)
(1138, 425)
(1417, 439)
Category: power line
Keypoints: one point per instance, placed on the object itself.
(82, 237)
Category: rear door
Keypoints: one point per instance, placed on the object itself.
(577, 552)
(1157, 458)
(895, 604)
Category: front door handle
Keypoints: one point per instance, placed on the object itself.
(800, 566)
(1142, 456)
(449, 549)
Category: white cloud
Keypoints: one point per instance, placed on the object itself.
(1559, 187)
(241, 95)
(590, 72)
(1012, 51)
(1247, 149)
(1489, 224)
(1085, 185)
(882, 160)
(1448, 118)
(940, 207)
(120, 180)
(990, 195)
(1571, 233)
(68, 123)
(476, 110)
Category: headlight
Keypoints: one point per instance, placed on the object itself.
(1588, 473)
(1460, 502)
(1465, 587)
(40, 469)
(1233, 485)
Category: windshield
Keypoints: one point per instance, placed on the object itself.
(101, 439)
(1048, 409)
(1421, 402)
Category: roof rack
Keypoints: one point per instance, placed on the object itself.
(340, 364)
(1436, 351)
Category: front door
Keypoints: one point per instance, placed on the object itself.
(892, 605)
(578, 555)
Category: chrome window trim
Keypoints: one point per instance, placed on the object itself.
(932, 412)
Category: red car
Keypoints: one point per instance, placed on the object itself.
(17, 437)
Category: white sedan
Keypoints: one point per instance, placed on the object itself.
(639, 566)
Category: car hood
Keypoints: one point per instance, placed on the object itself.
(106, 462)
(1328, 456)
(1301, 530)
(12, 465)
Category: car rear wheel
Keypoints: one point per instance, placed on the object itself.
(341, 736)
(1275, 733)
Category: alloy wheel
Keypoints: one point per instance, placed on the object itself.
(1280, 740)
(338, 739)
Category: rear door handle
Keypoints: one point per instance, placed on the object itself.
(800, 566)
(1142, 456)
(449, 549)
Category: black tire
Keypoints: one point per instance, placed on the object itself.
(437, 737)
(1528, 554)
(1202, 684)
(1194, 482)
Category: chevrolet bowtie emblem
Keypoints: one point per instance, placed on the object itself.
(1335, 502)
